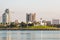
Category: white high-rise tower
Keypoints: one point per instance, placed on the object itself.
(6, 17)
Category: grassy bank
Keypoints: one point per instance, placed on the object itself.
(32, 28)
(41, 27)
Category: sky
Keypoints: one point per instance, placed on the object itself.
(46, 9)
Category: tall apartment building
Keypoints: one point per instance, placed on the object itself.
(30, 17)
(6, 17)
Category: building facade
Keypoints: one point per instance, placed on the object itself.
(48, 23)
(6, 17)
(30, 17)
(42, 22)
(55, 21)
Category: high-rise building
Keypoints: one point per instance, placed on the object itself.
(34, 17)
(30, 17)
(55, 21)
(6, 17)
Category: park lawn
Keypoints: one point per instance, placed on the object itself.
(41, 27)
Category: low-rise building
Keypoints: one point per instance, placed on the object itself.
(55, 21)
(48, 23)
(42, 22)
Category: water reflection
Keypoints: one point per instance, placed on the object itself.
(29, 35)
(3, 35)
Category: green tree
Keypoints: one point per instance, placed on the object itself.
(23, 25)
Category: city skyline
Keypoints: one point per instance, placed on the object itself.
(46, 9)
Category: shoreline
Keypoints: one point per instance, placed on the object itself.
(30, 29)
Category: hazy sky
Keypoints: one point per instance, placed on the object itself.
(46, 9)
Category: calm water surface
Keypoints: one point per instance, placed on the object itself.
(29, 35)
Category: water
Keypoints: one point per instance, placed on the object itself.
(29, 35)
